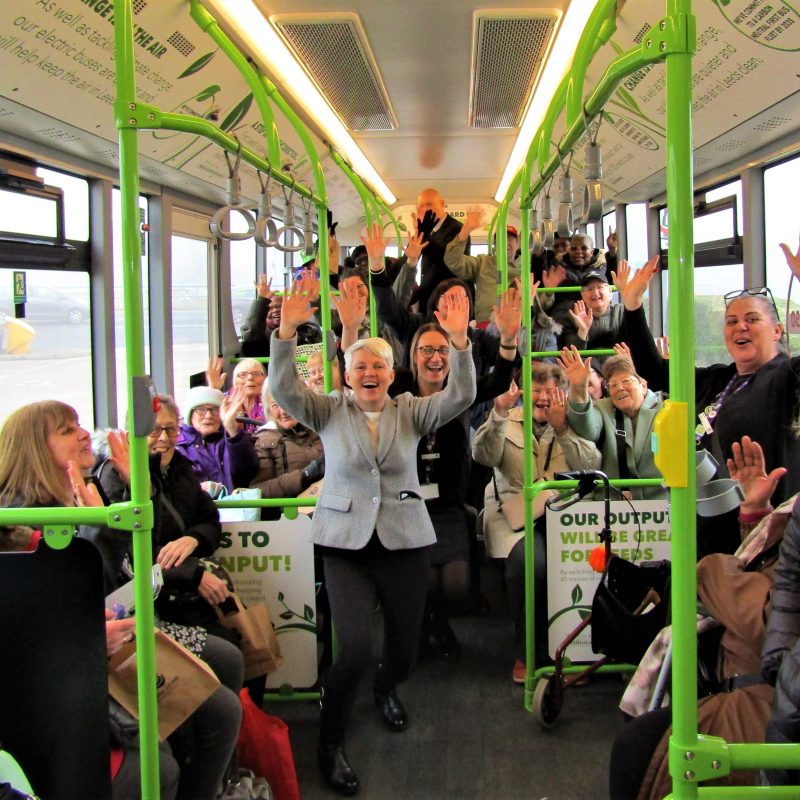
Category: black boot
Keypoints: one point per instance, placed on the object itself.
(392, 710)
(445, 637)
(331, 758)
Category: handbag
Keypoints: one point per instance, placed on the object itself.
(241, 514)
(264, 747)
(259, 644)
(629, 608)
(183, 682)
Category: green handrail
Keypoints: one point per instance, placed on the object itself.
(209, 26)
(134, 357)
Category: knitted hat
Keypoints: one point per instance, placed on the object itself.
(201, 396)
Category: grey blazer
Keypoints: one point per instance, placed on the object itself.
(364, 492)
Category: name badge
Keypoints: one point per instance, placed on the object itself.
(429, 491)
(705, 422)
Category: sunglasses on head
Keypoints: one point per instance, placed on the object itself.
(756, 291)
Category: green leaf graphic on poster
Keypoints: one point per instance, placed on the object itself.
(577, 594)
(237, 113)
(584, 613)
(208, 92)
(766, 22)
(197, 65)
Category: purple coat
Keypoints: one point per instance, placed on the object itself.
(231, 461)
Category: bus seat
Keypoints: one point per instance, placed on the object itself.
(53, 677)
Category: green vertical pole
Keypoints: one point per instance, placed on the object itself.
(681, 382)
(134, 355)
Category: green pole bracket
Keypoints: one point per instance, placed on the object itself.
(137, 115)
(672, 34)
(58, 537)
(131, 516)
(708, 759)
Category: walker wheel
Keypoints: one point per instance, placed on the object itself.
(547, 701)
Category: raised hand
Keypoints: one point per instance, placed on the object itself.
(84, 494)
(631, 288)
(427, 223)
(215, 377)
(296, 309)
(174, 553)
(120, 449)
(556, 412)
(309, 283)
(507, 317)
(577, 371)
(375, 242)
(582, 318)
(351, 304)
(622, 349)
(415, 245)
(473, 220)
(554, 276)
(231, 405)
(454, 318)
(264, 287)
(749, 468)
(507, 400)
(792, 259)
(662, 345)
(611, 241)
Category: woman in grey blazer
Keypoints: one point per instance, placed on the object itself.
(370, 521)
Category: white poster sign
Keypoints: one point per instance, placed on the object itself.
(273, 563)
(640, 533)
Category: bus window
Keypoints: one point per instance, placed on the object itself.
(190, 261)
(781, 225)
(119, 306)
(48, 355)
(28, 215)
(243, 276)
(76, 202)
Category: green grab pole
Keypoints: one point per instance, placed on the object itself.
(134, 356)
(491, 227)
(501, 243)
(590, 42)
(370, 218)
(150, 117)
(209, 26)
(682, 389)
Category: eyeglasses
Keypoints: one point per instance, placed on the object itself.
(625, 383)
(428, 351)
(755, 291)
(253, 374)
(171, 430)
(203, 410)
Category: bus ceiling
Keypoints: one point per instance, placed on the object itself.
(430, 98)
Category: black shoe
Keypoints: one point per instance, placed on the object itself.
(336, 770)
(392, 711)
(448, 644)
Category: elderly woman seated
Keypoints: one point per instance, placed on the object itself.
(248, 380)
(499, 443)
(621, 424)
(220, 450)
(290, 456)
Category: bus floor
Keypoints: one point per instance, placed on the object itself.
(469, 735)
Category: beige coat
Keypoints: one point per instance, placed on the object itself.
(499, 443)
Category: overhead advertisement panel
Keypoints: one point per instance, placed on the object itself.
(57, 56)
(745, 62)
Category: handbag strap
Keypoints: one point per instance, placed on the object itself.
(173, 512)
(620, 436)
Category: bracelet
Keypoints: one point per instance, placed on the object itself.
(508, 346)
(378, 271)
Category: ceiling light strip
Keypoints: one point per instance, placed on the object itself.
(266, 46)
(558, 64)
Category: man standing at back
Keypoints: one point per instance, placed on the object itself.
(438, 228)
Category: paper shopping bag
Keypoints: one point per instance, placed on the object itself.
(183, 682)
(259, 644)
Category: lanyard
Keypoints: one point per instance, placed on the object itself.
(710, 412)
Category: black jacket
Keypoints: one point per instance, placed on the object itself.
(434, 270)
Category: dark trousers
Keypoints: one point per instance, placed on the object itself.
(356, 580)
(514, 574)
